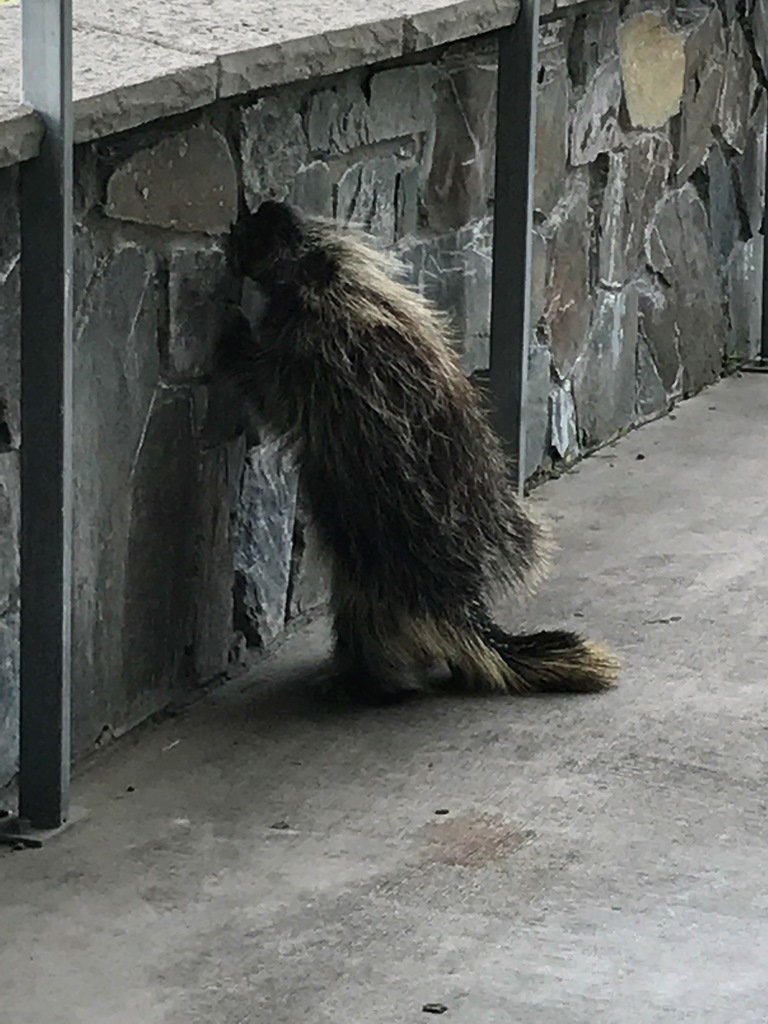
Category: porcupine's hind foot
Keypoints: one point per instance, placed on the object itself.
(368, 670)
(556, 661)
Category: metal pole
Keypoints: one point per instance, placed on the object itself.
(46, 410)
(512, 228)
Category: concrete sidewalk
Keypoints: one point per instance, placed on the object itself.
(603, 859)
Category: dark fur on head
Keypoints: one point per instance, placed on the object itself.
(408, 486)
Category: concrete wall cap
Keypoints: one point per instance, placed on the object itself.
(135, 61)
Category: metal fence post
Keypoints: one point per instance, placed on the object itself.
(512, 228)
(46, 408)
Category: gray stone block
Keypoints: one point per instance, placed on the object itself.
(649, 164)
(751, 167)
(680, 250)
(310, 576)
(199, 282)
(723, 210)
(407, 201)
(538, 386)
(116, 372)
(760, 30)
(738, 91)
(263, 543)
(274, 147)
(401, 102)
(338, 118)
(657, 325)
(592, 42)
(367, 196)
(312, 190)
(744, 277)
(594, 126)
(159, 571)
(568, 299)
(186, 181)
(563, 429)
(551, 154)
(604, 375)
(651, 396)
(214, 564)
(10, 311)
(614, 214)
(454, 272)
(460, 182)
(10, 515)
(9, 697)
(704, 73)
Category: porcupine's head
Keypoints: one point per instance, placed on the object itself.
(276, 247)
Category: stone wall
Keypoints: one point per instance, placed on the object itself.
(190, 550)
(649, 198)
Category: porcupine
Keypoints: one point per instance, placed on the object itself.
(406, 482)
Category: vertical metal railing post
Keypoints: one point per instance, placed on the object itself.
(512, 229)
(46, 409)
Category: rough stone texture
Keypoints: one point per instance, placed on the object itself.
(263, 545)
(454, 271)
(116, 346)
(310, 585)
(604, 375)
(658, 327)
(186, 181)
(679, 249)
(649, 163)
(211, 634)
(10, 297)
(568, 298)
(760, 29)
(402, 102)
(9, 696)
(274, 148)
(651, 398)
(562, 420)
(10, 511)
(723, 209)
(653, 68)
(554, 91)
(367, 195)
(613, 245)
(10, 502)
(199, 282)
(704, 53)
(595, 120)
(338, 118)
(460, 180)
(745, 280)
(312, 189)
(159, 562)
(538, 385)
(752, 168)
(738, 91)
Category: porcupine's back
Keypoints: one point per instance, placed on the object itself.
(404, 472)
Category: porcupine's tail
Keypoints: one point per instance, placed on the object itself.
(555, 661)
